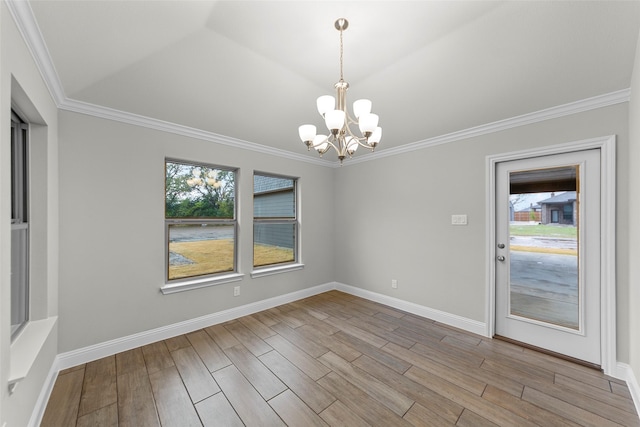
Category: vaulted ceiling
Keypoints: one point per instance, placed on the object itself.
(252, 70)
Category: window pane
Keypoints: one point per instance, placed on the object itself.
(200, 249)
(198, 191)
(273, 243)
(273, 197)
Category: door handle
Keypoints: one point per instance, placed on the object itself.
(500, 258)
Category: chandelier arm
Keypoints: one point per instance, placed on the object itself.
(351, 134)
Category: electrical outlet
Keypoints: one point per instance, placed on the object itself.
(236, 291)
(394, 283)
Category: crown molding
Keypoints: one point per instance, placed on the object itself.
(580, 106)
(23, 16)
(26, 22)
(190, 132)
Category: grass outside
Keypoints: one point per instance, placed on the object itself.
(542, 230)
(216, 256)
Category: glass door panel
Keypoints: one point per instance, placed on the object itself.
(544, 278)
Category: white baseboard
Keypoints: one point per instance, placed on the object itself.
(118, 345)
(449, 319)
(624, 372)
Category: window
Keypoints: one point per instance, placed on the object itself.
(200, 217)
(567, 213)
(19, 225)
(275, 221)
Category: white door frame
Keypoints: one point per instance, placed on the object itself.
(607, 146)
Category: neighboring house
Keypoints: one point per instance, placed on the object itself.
(560, 209)
(273, 198)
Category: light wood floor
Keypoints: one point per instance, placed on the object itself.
(338, 360)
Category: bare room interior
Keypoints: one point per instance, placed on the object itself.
(319, 213)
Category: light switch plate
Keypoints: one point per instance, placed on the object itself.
(460, 219)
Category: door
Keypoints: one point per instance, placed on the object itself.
(547, 271)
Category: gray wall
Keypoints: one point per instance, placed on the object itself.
(112, 228)
(22, 86)
(407, 234)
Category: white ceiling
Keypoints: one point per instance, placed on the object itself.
(252, 69)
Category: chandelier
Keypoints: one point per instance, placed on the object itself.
(338, 120)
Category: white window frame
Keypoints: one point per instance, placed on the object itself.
(266, 270)
(200, 281)
(20, 286)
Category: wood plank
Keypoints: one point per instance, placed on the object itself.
(195, 375)
(525, 409)
(338, 415)
(381, 332)
(307, 364)
(347, 328)
(136, 404)
(566, 410)
(430, 400)
(251, 341)
(256, 326)
(471, 419)
(62, 408)
(392, 399)
(216, 411)
(459, 377)
(384, 357)
(177, 343)
(247, 402)
(130, 361)
(360, 403)
(419, 416)
(309, 391)
(294, 412)
(311, 347)
(212, 356)
(283, 317)
(596, 393)
(99, 386)
(264, 381)
(222, 336)
(106, 416)
(470, 401)
(330, 342)
(172, 400)
(620, 390)
(156, 357)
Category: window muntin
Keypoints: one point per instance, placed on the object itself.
(275, 220)
(19, 225)
(200, 218)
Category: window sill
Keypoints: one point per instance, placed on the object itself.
(268, 271)
(200, 283)
(26, 347)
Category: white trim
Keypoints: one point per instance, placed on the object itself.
(172, 288)
(607, 146)
(268, 271)
(449, 319)
(579, 106)
(28, 27)
(97, 351)
(190, 132)
(45, 394)
(624, 372)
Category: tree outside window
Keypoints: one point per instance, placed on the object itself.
(200, 218)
